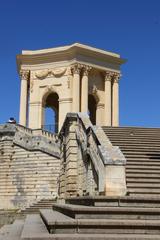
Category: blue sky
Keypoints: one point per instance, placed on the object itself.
(131, 28)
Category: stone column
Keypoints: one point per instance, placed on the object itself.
(108, 113)
(100, 114)
(115, 100)
(76, 88)
(64, 108)
(35, 115)
(84, 89)
(24, 75)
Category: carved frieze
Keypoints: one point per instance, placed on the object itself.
(56, 72)
(41, 74)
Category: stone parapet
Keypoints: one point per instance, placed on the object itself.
(36, 139)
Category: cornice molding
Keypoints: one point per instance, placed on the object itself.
(67, 53)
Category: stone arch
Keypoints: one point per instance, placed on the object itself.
(94, 92)
(50, 101)
(92, 108)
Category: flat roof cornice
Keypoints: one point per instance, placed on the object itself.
(64, 53)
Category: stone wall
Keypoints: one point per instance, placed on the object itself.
(28, 171)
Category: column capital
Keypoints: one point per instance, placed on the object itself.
(116, 77)
(24, 74)
(76, 68)
(86, 70)
(109, 75)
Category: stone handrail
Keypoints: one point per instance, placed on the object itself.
(89, 144)
(94, 142)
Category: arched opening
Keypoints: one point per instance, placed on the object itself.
(92, 107)
(51, 112)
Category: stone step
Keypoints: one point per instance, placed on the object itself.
(143, 161)
(43, 203)
(138, 138)
(150, 153)
(83, 212)
(59, 223)
(4, 231)
(142, 155)
(140, 135)
(140, 148)
(132, 130)
(123, 201)
(146, 171)
(143, 180)
(144, 185)
(15, 230)
(142, 166)
(132, 134)
(144, 191)
(122, 141)
(34, 228)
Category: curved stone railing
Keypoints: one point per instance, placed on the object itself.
(108, 161)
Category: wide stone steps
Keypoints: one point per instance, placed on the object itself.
(57, 222)
(127, 218)
(83, 212)
(34, 208)
(141, 147)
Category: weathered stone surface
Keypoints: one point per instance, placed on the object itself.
(27, 173)
(93, 156)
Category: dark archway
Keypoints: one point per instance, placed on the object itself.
(92, 107)
(51, 112)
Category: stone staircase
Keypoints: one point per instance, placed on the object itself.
(34, 208)
(135, 216)
(110, 218)
(141, 147)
